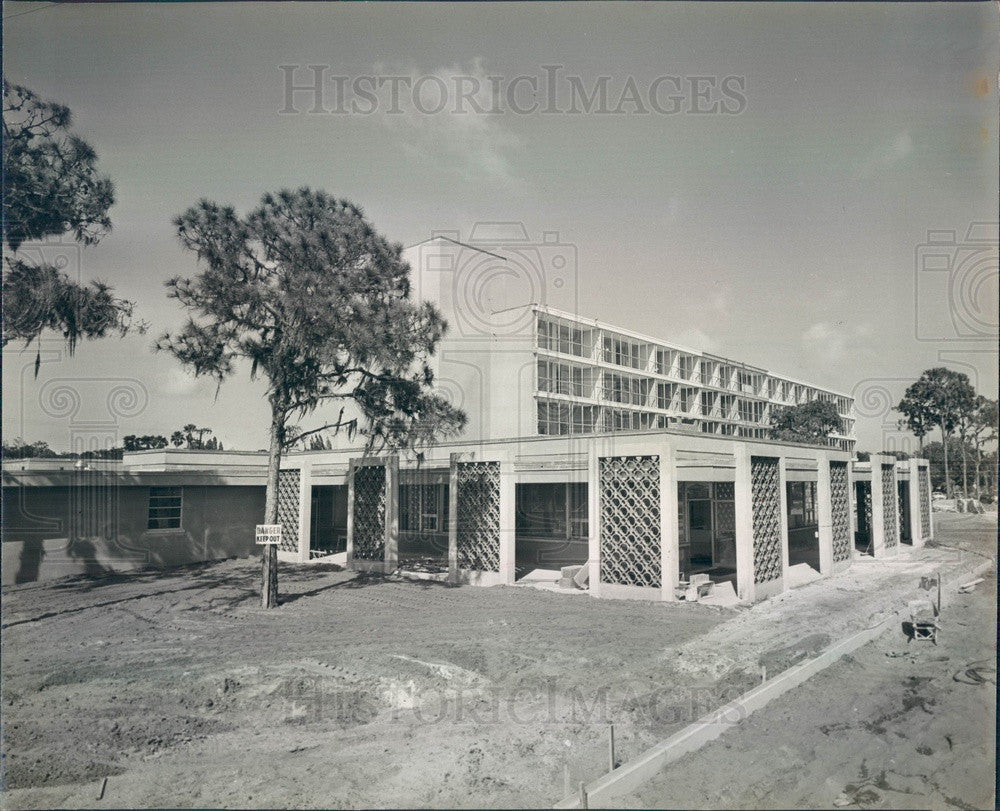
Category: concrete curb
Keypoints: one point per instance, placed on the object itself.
(632, 775)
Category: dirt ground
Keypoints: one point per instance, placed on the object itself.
(372, 691)
(895, 725)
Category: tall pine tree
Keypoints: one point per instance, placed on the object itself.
(317, 303)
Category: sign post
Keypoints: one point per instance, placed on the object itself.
(269, 537)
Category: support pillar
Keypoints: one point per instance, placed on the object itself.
(914, 494)
(743, 508)
(669, 529)
(824, 513)
(350, 515)
(508, 519)
(783, 495)
(878, 512)
(594, 520)
(453, 517)
(391, 513)
(928, 490)
(852, 504)
(305, 511)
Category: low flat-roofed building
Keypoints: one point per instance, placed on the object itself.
(166, 507)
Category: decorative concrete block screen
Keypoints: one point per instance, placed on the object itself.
(890, 509)
(630, 520)
(369, 512)
(288, 509)
(478, 505)
(841, 511)
(765, 496)
(725, 514)
(925, 503)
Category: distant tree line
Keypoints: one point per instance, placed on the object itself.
(946, 400)
(190, 437)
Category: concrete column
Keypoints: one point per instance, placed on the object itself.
(852, 504)
(878, 512)
(890, 461)
(391, 513)
(350, 512)
(824, 513)
(913, 493)
(743, 508)
(508, 518)
(783, 496)
(669, 529)
(930, 501)
(453, 517)
(305, 510)
(594, 519)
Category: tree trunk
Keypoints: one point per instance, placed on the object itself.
(269, 555)
(947, 475)
(965, 473)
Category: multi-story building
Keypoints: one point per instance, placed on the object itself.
(594, 378)
(520, 366)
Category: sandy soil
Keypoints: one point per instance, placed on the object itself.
(368, 691)
(895, 725)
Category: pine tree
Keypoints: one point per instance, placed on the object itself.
(318, 303)
(51, 187)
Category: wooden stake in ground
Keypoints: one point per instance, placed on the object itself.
(269, 536)
(269, 581)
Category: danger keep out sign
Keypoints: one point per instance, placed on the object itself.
(268, 534)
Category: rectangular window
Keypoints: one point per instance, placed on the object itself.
(555, 419)
(687, 368)
(708, 403)
(625, 389)
(579, 526)
(423, 507)
(164, 508)
(554, 511)
(665, 395)
(623, 353)
(687, 399)
(560, 378)
(664, 361)
(801, 504)
(560, 337)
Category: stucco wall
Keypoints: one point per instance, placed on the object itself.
(51, 532)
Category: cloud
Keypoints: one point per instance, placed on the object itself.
(177, 383)
(831, 343)
(453, 116)
(696, 339)
(888, 154)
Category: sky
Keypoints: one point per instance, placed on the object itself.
(785, 223)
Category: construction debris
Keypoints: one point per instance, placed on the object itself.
(965, 588)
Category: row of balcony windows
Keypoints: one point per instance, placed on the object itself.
(562, 419)
(574, 381)
(573, 340)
